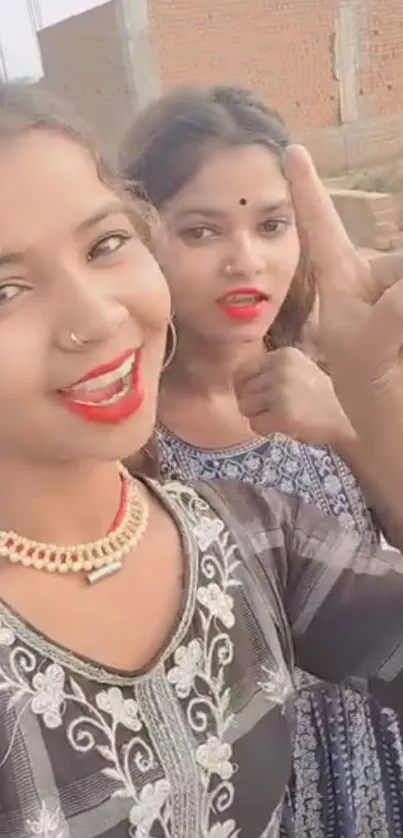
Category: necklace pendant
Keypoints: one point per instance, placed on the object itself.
(103, 572)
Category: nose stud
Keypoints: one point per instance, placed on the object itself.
(77, 340)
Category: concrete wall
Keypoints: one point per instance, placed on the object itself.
(83, 63)
(370, 218)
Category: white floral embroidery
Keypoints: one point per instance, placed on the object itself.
(215, 757)
(151, 800)
(332, 485)
(187, 662)
(47, 824)
(276, 686)
(208, 710)
(218, 603)
(224, 830)
(123, 711)
(7, 637)
(206, 531)
(48, 699)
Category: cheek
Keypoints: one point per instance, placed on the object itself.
(153, 360)
(25, 338)
(292, 251)
(151, 308)
(167, 254)
(149, 295)
(186, 273)
(288, 256)
(24, 377)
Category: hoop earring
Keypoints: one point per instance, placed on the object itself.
(172, 342)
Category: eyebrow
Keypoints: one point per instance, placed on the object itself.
(113, 208)
(10, 259)
(213, 212)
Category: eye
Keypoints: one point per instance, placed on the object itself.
(274, 225)
(198, 233)
(108, 245)
(9, 291)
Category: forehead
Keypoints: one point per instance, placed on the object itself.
(48, 183)
(249, 172)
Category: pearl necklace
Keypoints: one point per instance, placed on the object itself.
(97, 559)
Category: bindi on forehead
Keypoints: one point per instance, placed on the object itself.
(243, 202)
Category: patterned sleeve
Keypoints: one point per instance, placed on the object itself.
(343, 596)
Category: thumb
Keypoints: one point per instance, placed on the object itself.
(337, 266)
(387, 326)
(346, 280)
(249, 371)
(387, 271)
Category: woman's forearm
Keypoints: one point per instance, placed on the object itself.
(371, 465)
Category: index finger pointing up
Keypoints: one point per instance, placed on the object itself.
(331, 252)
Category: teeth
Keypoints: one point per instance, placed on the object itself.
(243, 299)
(124, 390)
(107, 378)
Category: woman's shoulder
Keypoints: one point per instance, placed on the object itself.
(259, 517)
(314, 473)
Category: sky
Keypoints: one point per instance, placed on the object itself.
(20, 57)
(52, 11)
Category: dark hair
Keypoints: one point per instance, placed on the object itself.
(25, 107)
(169, 141)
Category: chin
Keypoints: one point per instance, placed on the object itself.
(123, 441)
(243, 335)
(102, 442)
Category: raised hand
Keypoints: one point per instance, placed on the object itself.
(361, 305)
(287, 393)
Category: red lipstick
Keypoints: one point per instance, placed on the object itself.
(110, 393)
(243, 304)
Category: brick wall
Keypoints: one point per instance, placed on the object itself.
(274, 46)
(334, 68)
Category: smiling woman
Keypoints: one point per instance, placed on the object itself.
(94, 237)
(146, 631)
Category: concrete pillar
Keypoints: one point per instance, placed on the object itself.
(346, 59)
(139, 60)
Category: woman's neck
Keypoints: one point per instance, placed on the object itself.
(61, 503)
(208, 369)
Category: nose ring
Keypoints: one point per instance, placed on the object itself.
(77, 340)
(229, 269)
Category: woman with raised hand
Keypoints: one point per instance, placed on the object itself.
(243, 290)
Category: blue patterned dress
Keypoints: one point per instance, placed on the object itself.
(348, 758)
